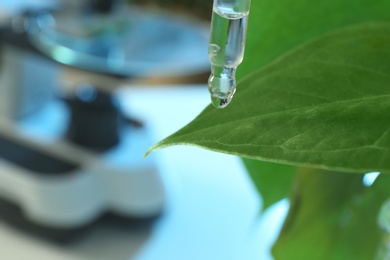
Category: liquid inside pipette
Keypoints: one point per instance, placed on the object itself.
(226, 52)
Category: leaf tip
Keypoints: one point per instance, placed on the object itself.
(158, 146)
(152, 149)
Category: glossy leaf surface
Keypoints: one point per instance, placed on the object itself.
(278, 26)
(325, 105)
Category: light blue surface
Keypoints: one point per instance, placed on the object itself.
(212, 210)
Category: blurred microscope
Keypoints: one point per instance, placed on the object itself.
(68, 157)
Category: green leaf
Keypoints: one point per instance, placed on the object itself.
(277, 26)
(325, 105)
(332, 216)
(273, 181)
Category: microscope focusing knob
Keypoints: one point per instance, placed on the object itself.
(95, 119)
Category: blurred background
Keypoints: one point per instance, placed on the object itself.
(86, 87)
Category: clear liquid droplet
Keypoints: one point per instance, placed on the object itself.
(222, 86)
(220, 102)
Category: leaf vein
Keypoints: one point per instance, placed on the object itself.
(294, 110)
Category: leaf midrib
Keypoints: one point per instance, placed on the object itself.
(293, 110)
